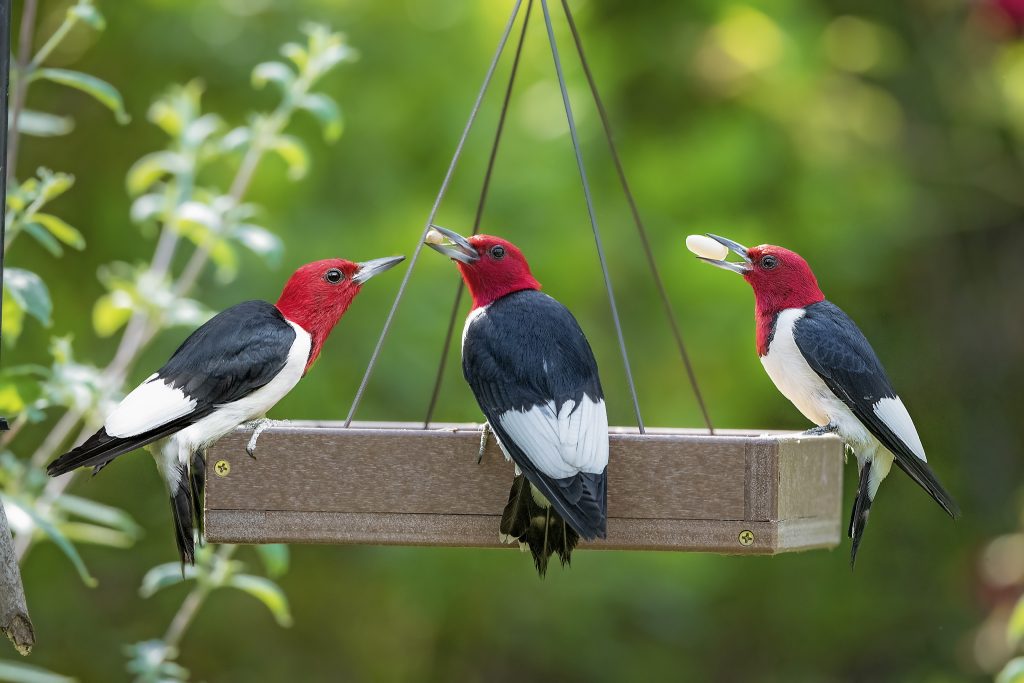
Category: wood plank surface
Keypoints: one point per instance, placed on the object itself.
(399, 484)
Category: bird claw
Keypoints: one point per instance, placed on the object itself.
(258, 427)
(821, 431)
(485, 432)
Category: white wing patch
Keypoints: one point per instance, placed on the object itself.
(150, 405)
(561, 444)
(894, 415)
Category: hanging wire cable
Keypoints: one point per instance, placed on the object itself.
(433, 212)
(461, 287)
(641, 230)
(5, 75)
(593, 216)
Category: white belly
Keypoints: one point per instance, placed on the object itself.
(803, 387)
(228, 416)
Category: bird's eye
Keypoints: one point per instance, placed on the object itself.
(334, 276)
(769, 262)
(498, 252)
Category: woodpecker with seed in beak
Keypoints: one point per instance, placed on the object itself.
(230, 371)
(533, 374)
(819, 359)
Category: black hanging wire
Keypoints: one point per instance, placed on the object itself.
(593, 216)
(461, 287)
(641, 230)
(433, 213)
(5, 79)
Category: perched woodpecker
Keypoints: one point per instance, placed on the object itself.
(819, 359)
(230, 371)
(533, 374)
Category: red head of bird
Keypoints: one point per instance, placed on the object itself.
(318, 294)
(491, 267)
(780, 278)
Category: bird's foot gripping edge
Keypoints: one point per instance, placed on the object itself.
(258, 427)
(830, 428)
(485, 433)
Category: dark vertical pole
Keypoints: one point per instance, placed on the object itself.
(5, 79)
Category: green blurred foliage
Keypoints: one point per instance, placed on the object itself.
(882, 141)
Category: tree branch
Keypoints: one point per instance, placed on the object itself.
(28, 24)
(14, 620)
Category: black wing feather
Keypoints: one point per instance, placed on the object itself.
(232, 355)
(502, 360)
(838, 352)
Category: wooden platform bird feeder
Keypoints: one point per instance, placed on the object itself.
(398, 484)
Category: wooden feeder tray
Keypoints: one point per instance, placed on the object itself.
(398, 484)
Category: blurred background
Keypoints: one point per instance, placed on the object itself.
(883, 141)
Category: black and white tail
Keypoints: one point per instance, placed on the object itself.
(183, 512)
(861, 509)
(187, 507)
(536, 526)
(100, 448)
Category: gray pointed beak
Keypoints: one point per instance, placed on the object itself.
(734, 247)
(368, 269)
(451, 244)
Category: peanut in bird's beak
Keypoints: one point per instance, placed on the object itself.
(451, 244)
(734, 247)
(368, 269)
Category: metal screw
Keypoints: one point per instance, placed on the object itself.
(746, 537)
(222, 468)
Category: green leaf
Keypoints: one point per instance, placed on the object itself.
(1015, 627)
(147, 207)
(107, 515)
(1013, 672)
(236, 139)
(43, 236)
(260, 241)
(277, 72)
(198, 131)
(99, 89)
(20, 386)
(267, 592)
(85, 11)
(52, 185)
(327, 113)
(111, 312)
(11, 401)
(294, 153)
(43, 125)
(58, 538)
(152, 661)
(296, 53)
(164, 575)
(29, 292)
(275, 558)
(151, 168)
(18, 672)
(61, 230)
(13, 319)
(94, 534)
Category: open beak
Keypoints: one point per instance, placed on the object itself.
(368, 269)
(734, 247)
(451, 244)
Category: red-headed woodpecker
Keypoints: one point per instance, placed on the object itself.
(533, 374)
(231, 370)
(819, 359)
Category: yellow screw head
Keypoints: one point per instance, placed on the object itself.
(222, 468)
(746, 537)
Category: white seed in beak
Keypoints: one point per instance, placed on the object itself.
(702, 245)
(435, 237)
